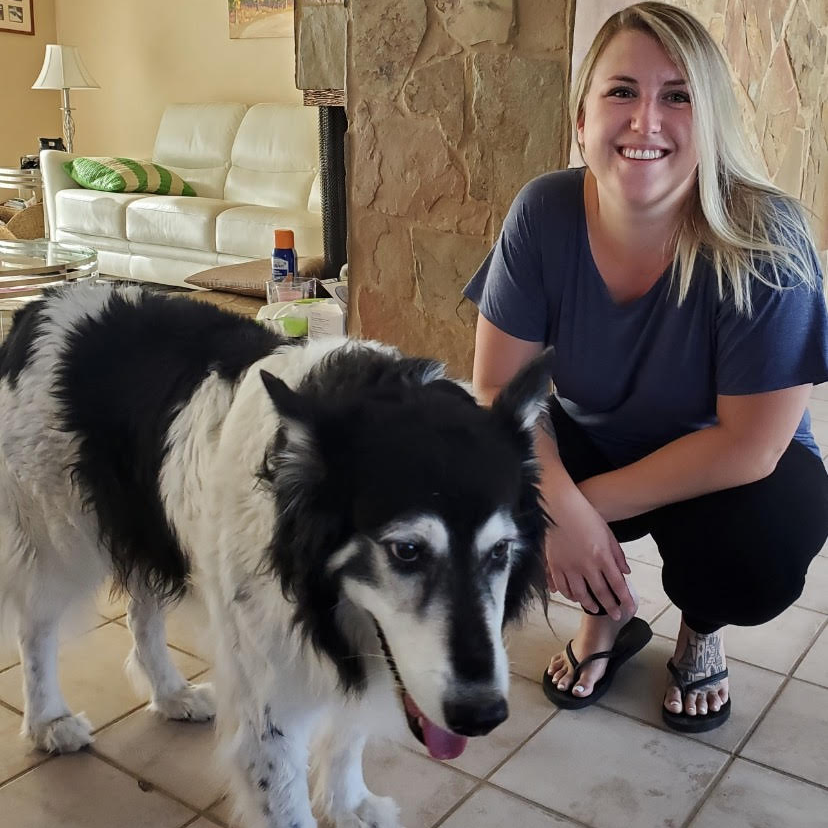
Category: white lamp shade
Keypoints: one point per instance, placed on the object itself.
(64, 69)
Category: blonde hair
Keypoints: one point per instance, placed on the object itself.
(746, 227)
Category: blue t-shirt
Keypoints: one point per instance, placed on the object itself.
(641, 374)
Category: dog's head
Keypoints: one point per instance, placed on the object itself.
(399, 496)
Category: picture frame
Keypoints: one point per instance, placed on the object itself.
(259, 18)
(17, 17)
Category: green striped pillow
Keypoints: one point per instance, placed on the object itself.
(125, 175)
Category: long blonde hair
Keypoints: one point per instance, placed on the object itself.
(746, 227)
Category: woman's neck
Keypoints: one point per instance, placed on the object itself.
(630, 231)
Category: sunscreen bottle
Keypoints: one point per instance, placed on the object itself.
(283, 261)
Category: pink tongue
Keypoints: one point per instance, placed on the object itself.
(441, 744)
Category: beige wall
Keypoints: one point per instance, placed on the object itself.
(26, 113)
(147, 53)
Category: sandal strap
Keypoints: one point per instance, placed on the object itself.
(684, 689)
(578, 666)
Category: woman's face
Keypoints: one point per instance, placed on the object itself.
(636, 130)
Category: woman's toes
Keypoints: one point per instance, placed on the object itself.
(714, 703)
(672, 700)
(701, 704)
(690, 704)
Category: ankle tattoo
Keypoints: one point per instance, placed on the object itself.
(702, 657)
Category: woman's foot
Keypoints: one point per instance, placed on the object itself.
(597, 633)
(696, 657)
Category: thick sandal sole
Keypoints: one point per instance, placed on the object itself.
(683, 723)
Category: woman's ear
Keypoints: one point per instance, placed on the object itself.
(579, 129)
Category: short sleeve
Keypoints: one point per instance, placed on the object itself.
(508, 287)
(784, 342)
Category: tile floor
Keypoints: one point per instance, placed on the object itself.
(609, 766)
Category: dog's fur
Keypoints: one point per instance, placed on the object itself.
(361, 527)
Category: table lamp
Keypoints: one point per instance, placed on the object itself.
(63, 69)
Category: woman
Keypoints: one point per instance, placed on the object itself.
(682, 294)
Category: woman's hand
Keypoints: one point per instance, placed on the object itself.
(581, 550)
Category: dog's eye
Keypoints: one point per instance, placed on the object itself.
(405, 551)
(500, 551)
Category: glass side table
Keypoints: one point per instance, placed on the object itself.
(27, 267)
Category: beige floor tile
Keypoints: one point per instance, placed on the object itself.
(819, 428)
(818, 406)
(424, 789)
(644, 550)
(748, 795)
(528, 710)
(16, 755)
(92, 675)
(775, 646)
(820, 392)
(107, 606)
(638, 690)
(9, 655)
(203, 822)
(793, 735)
(81, 791)
(609, 771)
(814, 666)
(531, 646)
(162, 752)
(492, 808)
(188, 628)
(815, 594)
(221, 811)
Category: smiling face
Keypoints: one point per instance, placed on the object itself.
(636, 126)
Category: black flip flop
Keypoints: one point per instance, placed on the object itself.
(700, 723)
(631, 638)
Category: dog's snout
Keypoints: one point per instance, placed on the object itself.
(475, 719)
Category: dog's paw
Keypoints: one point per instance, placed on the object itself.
(193, 703)
(63, 735)
(372, 812)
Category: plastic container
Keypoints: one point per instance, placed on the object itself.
(283, 260)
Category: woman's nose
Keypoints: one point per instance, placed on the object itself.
(646, 118)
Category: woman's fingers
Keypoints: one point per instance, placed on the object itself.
(618, 584)
(580, 593)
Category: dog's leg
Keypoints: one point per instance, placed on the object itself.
(347, 801)
(172, 695)
(268, 756)
(48, 722)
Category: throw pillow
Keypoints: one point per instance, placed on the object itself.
(249, 278)
(125, 175)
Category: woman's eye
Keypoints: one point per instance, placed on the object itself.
(621, 92)
(500, 550)
(405, 552)
(678, 97)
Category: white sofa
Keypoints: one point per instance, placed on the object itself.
(253, 169)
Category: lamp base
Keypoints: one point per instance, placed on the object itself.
(68, 122)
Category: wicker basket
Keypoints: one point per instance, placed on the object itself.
(23, 224)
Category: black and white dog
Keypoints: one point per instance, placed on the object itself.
(361, 527)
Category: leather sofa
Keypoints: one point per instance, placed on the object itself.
(254, 168)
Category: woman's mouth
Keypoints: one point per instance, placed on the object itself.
(635, 154)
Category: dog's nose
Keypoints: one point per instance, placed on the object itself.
(470, 719)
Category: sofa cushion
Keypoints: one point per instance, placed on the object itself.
(275, 156)
(195, 141)
(94, 213)
(248, 231)
(176, 221)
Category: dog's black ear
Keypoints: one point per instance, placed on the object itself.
(288, 403)
(525, 397)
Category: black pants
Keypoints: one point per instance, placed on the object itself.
(737, 556)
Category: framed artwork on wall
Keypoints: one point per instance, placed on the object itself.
(260, 18)
(16, 16)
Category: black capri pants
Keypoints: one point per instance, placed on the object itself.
(736, 556)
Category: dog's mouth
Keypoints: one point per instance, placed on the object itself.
(441, 743)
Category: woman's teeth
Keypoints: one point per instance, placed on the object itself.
(642, 154)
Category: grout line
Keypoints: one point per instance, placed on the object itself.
(10, 707)
(47, 758)
(708, 791)
(782, 772)
(459, 804)
(151, 786)
(539, 807)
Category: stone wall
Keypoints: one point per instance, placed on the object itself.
(454, 104)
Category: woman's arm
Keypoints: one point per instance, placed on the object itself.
(580, 547)
(753, 432)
